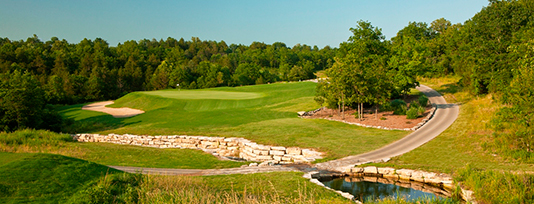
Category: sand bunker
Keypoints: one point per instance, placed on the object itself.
(115, 112)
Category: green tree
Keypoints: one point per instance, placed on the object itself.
(21, 101)
(360, 71)
(161, 77)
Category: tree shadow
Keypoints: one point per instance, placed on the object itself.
(85, 121)
(450, 88)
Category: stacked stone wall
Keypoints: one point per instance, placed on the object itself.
(437, 183)
(220, 146)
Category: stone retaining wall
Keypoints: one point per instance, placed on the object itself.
(416, 127)
(439, 180)
(401, 177)
(219, 146)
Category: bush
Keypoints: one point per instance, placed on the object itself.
(423, 100)
(399, 107)
(412, 113)
(421, 110)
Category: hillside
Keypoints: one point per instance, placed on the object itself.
(266, 114)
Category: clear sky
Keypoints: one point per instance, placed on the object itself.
(310, 22)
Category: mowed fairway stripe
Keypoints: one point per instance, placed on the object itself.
(198, 94)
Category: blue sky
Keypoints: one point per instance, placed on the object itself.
(310, 22)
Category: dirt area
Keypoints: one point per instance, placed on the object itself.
(383, 119)
(115, 112)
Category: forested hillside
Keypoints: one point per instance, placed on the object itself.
(93, 70)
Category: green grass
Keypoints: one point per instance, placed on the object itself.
(45, 178)
(203, 94)
(110, 154)
(279, 187)
(49, 178)
(125, 155)
(270, 119)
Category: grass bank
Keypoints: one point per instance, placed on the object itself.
(266, 114)
(34, 141)
(49, 178)
(46, 178)
(459, 151)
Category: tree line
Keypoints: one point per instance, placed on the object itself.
(93, 70)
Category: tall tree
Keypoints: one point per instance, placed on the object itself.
(21, 101)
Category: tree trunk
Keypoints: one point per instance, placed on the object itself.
(359, 112)
(343, 106)
(362, 111)
(339, 109)
(376, 112)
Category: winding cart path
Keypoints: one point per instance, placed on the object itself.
(444, 116)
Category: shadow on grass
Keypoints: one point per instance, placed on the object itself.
(451, 88)
(85, 121)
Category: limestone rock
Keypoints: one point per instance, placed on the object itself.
(277, 152)
(386, 171)
(370, 170)
(294, 150)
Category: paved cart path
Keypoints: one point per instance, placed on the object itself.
(444, 116)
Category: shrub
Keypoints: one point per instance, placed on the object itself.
(412, 113)
(423, 100)
(386, 107)
(399, 107)
(421, 110)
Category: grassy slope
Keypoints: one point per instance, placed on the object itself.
(49, 178)
(462, 143)
(109, 154)
(278, 187)
(270, 119)
(45, 178)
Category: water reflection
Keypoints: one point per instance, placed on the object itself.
(369, 188)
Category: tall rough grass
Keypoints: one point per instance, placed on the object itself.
(497, 186)
(37, 141)
(185, 189)
(417, 201)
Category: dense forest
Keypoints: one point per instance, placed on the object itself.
(92, 70)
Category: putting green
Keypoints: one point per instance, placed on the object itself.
(199, 94)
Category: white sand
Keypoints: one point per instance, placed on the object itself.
(115, 112)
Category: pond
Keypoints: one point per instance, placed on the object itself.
(374, 188)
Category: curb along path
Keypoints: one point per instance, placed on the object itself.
(204, 172)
